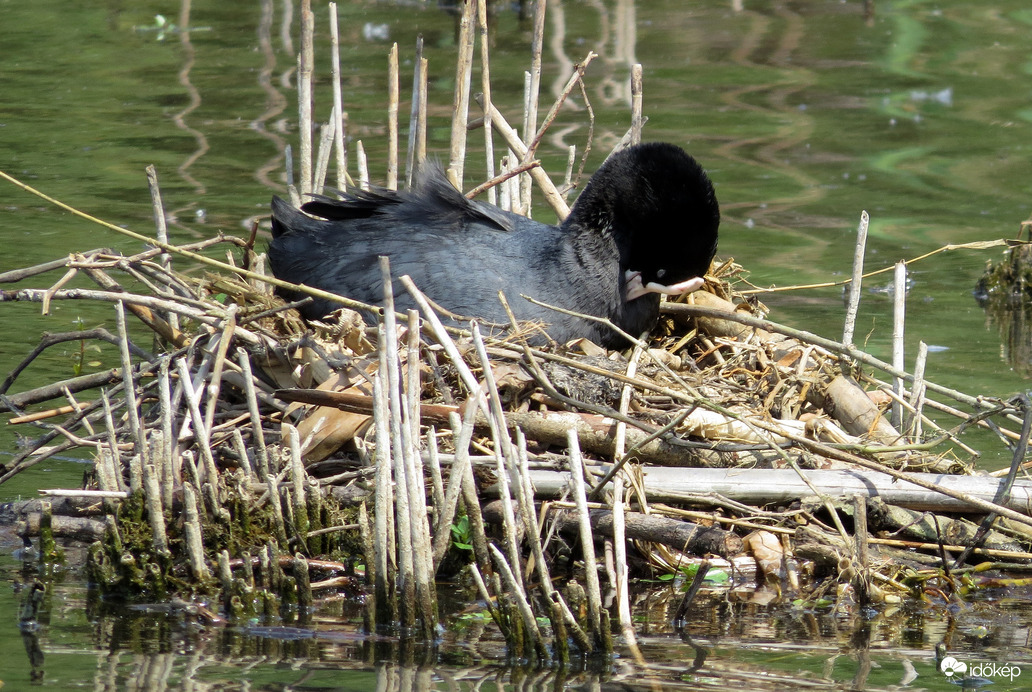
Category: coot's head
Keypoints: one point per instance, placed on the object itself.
(660, 207)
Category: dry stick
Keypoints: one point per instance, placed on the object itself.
(159, 213)
(463, 78)
(441, 334)
(155, 514)
(436, 476)
(855, 285)
(49, 340)
(835, 346)
(228, 329)
(393, 97)
(619, 539)
(115, 479)
(485, 595)
(322, 162)
(575, 78)
(196, 256)
(279, 525)
(200, 429)
(862, 575)
(636, 103)
(169, 473)
(363, 166)
(537, 550)
(462, 433)
(620, 548)
(241, 450)
(387, 345)
(505, 175)
(424, 69)
(297, 481)
(37, 295)
(503, 453)
(426, 596)
(593, 589)
(338, 102)
(16, 275)
(485, 89)
(139, 441)
(192, 531)
(899, 308)
(383, 517)
(418, 76)
(517, 593)
(534, 88)
(552, 196)
(917, 392)
(258, 440)
(306, 63)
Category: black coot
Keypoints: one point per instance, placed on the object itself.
(646, 223)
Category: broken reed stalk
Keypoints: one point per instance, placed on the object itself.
(258, 435)
(552, 196)
(363, 166)
(140, 446)
(383, 508)
(594, 591)
(899, 308)
(462, 434)
(485, 89)
(338, 102)
(636, 103)
(855, 284)
(503, 451)
(393, 97)
(917, 392)
(418, 108)
(532, 87)
(463, 78)
(306, 64)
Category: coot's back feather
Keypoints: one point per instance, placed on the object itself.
(649, 209)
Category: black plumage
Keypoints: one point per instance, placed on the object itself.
(649, 212)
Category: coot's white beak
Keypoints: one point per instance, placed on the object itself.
(633, 287)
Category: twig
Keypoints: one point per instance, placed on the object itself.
(855, 284)
(393, 97)
(463, 76)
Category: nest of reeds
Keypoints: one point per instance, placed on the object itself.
(257, 457)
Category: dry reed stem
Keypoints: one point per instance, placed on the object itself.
(519, 596)
(383, 514)
(463, 78)
(393, 96)
(552, 196)
(503, 451)
(417, 112)
(139, 444)
(192, 532)
(363, 166)
(899, 308)
(338, 102)
(575, 79)
(305, 67)
(855, 286)
(462, 434)
(594, 591)
(258, 435)
(485, 89)
(637, 122)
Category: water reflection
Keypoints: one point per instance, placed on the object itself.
(1005, 293)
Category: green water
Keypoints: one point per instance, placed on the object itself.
(804, 114)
